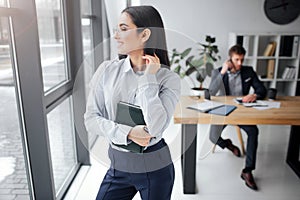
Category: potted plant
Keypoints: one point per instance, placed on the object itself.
(185, 64)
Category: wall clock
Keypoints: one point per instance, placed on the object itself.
(282, 11)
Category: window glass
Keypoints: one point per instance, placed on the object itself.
(52, 46)
(3, 3)
(62, 142)
(85, 7)
(13, 176)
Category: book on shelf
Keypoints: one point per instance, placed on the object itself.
(270, 68)
(239, 40)
(270, 49)
(272, 53)
(289, 72)
(295, 46)
(131, 115)
(286, 45)
(243, 41)
(285, 72)
(292, 72)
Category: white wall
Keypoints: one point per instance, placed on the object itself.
(113, 10)
(197, 18)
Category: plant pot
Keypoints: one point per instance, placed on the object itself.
(197, 92)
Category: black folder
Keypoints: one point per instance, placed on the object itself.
(131, 115)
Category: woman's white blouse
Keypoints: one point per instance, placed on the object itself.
(115, 81)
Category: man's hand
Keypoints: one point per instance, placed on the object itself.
(227, 65)
(152, 64)
(139, 135)
(249, 98)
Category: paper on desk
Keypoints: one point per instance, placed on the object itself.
(270, 104)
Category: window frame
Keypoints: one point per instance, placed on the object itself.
(34, 103)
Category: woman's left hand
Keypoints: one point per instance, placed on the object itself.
(139, 135)
(152, 64)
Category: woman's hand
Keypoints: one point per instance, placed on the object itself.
(152, 64)
(139, 135)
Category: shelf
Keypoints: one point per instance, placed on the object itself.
(266, 79)
(285, 80)
(274, 56)
(286, 58)
(266, 57)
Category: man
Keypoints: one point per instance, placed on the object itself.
(235, 79)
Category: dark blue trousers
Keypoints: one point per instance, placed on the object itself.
(252, 142)
(154, 178)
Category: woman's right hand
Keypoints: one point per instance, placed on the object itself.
(152, 64)
(139, 135)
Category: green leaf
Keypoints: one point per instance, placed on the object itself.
(210, 39)
(182, 75)
(177, 69)
(199, 77)
(188, 60)
(186, 52)
(209, 68)
(209, 59)
(197, 62)
(190, 71)
(205, 46)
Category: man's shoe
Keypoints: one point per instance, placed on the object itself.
(249, 180)
(234, 149)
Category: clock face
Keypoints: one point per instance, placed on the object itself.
(282, 11)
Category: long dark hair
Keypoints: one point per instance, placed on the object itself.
(149, 17)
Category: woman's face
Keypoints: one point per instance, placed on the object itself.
(129, 40)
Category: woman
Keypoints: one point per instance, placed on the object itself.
(140, 76)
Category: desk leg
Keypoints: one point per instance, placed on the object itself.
(292, 157)
(188, 157)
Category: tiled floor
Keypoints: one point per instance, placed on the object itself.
(218, 174)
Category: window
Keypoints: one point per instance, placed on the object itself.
(62, 142)
(45, 66)
(3, 3)
(13, 176)
(52, 42)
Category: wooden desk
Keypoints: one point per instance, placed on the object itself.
(287, 114)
